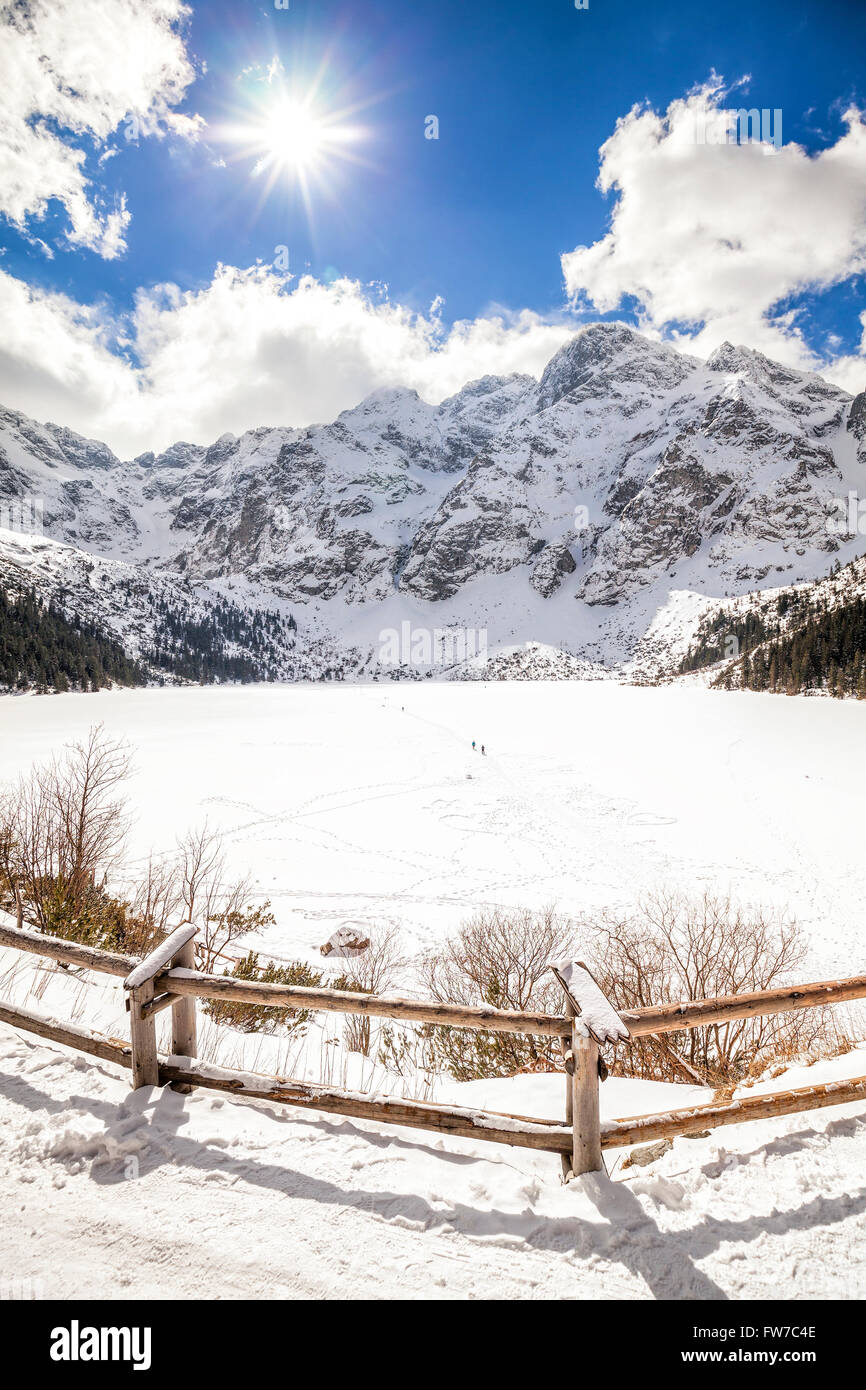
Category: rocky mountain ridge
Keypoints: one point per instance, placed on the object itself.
(567, 511)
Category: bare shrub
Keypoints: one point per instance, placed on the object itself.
(154, 907)
(406, 1051)
(498, 958)
(11, 897)
(201, 866)
(73, 818)
(677, 948)
(373, 971)
(62, 830)
(216, 902)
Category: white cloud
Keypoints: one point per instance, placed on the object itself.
(850, 370)
(248, 349)
(709, 238)
(71, 71)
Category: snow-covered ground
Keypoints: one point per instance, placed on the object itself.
(367, 805)
(119, 1194)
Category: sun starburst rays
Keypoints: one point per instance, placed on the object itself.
(290, 140)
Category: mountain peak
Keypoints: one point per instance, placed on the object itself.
(385, 396)
(603, 352)
(730, 358)
(774, 376)
(485, 386)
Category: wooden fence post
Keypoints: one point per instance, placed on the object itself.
(585, 1122)
(565, 1045)
(144, 1006)
(594, 1020)
(183, 1024)
(142, 1029)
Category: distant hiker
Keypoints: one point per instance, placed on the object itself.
(482, 747)
(473, 743)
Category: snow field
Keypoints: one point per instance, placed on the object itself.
(366, 805)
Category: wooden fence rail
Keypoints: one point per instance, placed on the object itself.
(672, 1018)
(166, 979)
(484, 1017)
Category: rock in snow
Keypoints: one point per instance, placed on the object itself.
(346, 941)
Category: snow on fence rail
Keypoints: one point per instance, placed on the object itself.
(166, 979)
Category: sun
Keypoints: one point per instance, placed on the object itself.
(292, 137)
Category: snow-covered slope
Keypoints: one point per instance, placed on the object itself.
(565, 512)
(109, 1193)
(778, 614)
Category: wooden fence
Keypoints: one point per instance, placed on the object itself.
(167, 979)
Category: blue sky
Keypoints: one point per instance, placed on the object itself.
(476, 220)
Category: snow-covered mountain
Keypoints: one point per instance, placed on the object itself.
(573, 512)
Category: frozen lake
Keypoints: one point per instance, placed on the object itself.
(366, 804)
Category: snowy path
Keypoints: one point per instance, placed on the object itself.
(152, 1194)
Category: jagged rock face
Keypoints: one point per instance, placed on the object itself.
(797, 392)
(78, 482)
(666, 521)
(629, 470)
(857, 415)
(331, 510)
(554, 563)
(682, 470)
(484, 526)
(856, 424)
(702, 497)
(51, 445)
(602, 357)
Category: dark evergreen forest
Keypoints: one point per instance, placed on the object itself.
(803, 642)
(41, 649)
